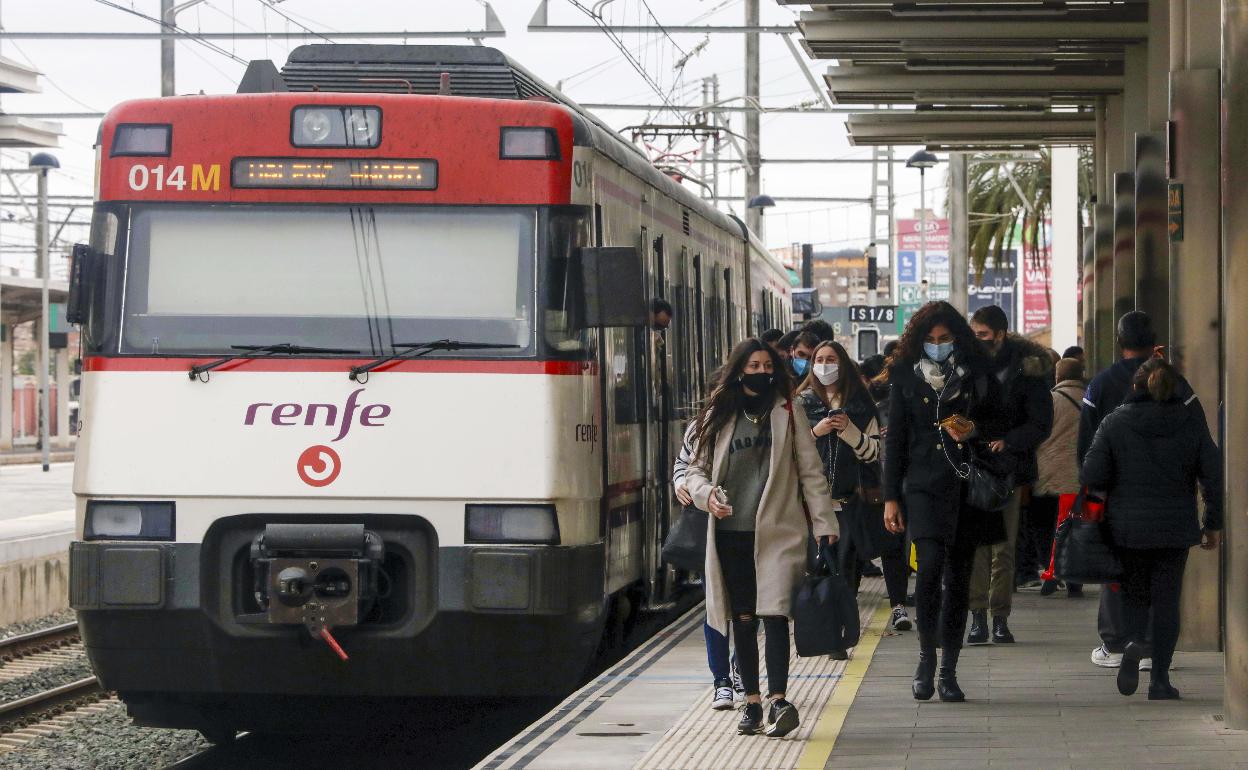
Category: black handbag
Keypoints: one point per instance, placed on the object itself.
(1081, 548)
(824, 610)
(685, 546)
(986, 488)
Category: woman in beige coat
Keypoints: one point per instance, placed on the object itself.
(1059, 469)
(747, 469)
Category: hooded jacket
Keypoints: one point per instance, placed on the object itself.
(1059, 470)
(1025, 372)
(1149, 456)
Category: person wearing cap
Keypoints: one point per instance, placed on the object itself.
(1106, 392)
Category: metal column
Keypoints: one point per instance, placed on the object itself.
(1124, 244)
(1152, 247)
(1195, 265)
(1235, 349)
(1103, 227)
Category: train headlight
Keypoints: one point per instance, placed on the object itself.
(332, 126)
(525, 143)
(128, 520)
(511, 524)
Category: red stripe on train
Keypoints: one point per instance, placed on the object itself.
(435, 366)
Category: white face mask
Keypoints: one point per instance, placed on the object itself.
(827, 373)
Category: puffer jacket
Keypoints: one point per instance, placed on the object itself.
(1025, 373)
(1148, 457)
(1059, 470)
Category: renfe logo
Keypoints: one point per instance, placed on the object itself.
(319, 465)
(285, 415)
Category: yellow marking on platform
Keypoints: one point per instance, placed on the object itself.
(832, 719)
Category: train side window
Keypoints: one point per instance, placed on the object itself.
(628, 365)
(699, 311)
(565, 234)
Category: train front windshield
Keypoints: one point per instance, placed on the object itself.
(200, 279)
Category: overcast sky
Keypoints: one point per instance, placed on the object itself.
(94, 76)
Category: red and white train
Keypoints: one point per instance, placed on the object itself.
(339, 386)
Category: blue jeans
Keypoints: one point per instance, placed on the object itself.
(716, 652)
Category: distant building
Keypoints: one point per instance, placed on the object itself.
(841, 278)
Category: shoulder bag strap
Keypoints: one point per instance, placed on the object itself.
(1066, 396)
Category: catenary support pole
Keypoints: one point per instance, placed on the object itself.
(753, 181)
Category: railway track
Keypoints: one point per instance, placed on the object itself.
(29, 717)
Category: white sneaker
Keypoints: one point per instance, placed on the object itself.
(1106, 659)
(1146, 664)
(722, 698)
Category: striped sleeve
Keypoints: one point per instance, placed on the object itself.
(684, 457)
(866, 444)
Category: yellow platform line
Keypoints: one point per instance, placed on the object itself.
(832, 719)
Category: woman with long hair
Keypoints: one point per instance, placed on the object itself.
(941, 412)
(1149, 455)
(846, 429)
(752, 471)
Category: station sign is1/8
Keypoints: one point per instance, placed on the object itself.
(870, 314)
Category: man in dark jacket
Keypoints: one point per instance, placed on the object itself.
(1106, 392)
(1024, 370)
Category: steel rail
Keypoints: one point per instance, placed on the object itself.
(33, 708)
(43, 640)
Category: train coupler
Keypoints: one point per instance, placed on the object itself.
(319, 576)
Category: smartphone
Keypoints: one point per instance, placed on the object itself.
(835, 412)
(958, 423)
(721, 497)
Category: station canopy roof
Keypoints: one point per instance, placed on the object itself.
(972, 74)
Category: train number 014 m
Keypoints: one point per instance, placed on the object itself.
(205, 178)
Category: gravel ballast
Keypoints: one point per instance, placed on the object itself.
(45, 679)
(38, 624)
(105, 741)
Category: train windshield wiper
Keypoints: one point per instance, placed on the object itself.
(263, 351)
(418, 349)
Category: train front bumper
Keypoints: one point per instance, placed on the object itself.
(460, 621)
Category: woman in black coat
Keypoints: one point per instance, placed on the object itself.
(1149, 455)
(846, 429)
(937, 371)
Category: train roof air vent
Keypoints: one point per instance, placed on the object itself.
(474, 71)
(684, 221)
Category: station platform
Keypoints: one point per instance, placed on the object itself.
(1039, 703)
(34, 565)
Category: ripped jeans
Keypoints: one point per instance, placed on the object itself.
(736, 562)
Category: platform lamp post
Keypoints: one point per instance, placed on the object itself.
(922, 160)
(762, 203)
(40, 164)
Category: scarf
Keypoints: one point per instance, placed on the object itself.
(945, 379)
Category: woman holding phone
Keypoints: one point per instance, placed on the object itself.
(941, 410)
(751, 471)
(846, 428)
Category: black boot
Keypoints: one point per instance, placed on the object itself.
(979, 627)
(1129, 671)
(923, 687)
(1159, 688)
(1001, 632)
(947, 685)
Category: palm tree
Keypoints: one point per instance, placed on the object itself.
(1003, 196)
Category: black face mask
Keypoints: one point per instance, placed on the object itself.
(758, 382)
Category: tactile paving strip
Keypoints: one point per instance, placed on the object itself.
(707, 740)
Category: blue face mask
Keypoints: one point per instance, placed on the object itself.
(800, 365)
(938, 353)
